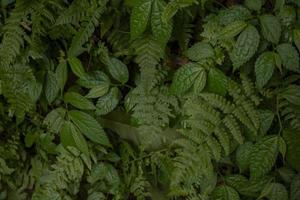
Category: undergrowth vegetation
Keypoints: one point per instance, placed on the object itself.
(149, 99)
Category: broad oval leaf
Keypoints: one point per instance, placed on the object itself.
(94, 79)
(66, 137)
(78, 101)
(199, 51)
(139, 18)
(264, 68)
(263, 156)
(184, 78)
(216, 81)
(243, 153)
(51, 87)
(224, 192)
(270, 27)
(289, 56)
(118, 70)
(231, 30)
(76, 66)
(89, 126)
(200, 82)
(275, 191)
(98, 91)
(61, 73)
(254, 4)
(108, 102)
(55, 119)
(245, 46)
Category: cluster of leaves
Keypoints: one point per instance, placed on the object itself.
(149, 99)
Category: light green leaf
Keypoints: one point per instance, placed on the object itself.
(94, 79)
(274, 191)
(231, 30)
(55, 119)
(118, 70)
(98, 91)
(216, 81)
(108, 102)
(51, 87)
(76, 66)
(289, 56)
(243, 153)
(185, 77)
(139, 18)
(264, 68)
(161, 30)
(224, 192)
(254, 4)
(245, 47)
(263, 156)
(292, 140)
(200, 82)
(270, 27)
(199, 51)
(89, 126)
(61, 74)
(78, 101)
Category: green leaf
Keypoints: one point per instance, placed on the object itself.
(200, 51)
(292, 140)
(216, 81)
(89, 126)
(275, 191)
(270, 27)
(55, 119)
(118, 70)
(224, 192)
(296, 38)
(266, 118)
(264, 68)
(98, 91)
(161, 30)
(231, 30)
(200, 82)
(94, 79)
(243, 153)
(289, 56)
(185, 77)
(263, 156)
(78, 101)
(61, 74)
(254, 4)
(66, 137)
(108, 102)
(139, 18)
(282, 146)
(76, 66)
(295, 188)
(245, 47)
(51, 87)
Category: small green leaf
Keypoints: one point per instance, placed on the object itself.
(108, 102)
(264, 68)
(66, 137)
(76, 66)
(254, 4)
(271, 28)
(231, 30)
(184, 78)
(118, 70)
(200, 82)
(243, 153)
(245, 47)
(216, 81)
(61, 74)
(266, 118)
(98, 91)
(224, 192)
(139, 18)
(289, 56)
(282, 146)
(94, 79)
(263, 156)
(78, 101)
(55, 119)
(51, 87)
(199, 51)
(79, 140)
(89, 126)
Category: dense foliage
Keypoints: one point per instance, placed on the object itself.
(150, 99)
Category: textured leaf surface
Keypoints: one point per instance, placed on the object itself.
(216, 81)
(225, 193)
(76, 66)
(264, 68)
(245, 46)
(51, 87)
(89, 126)
(118, 70)
(78, 101)
(199, 51)
(271, 28)
(108, 102)
(232, 30)
(243, 155)
(289, 56)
